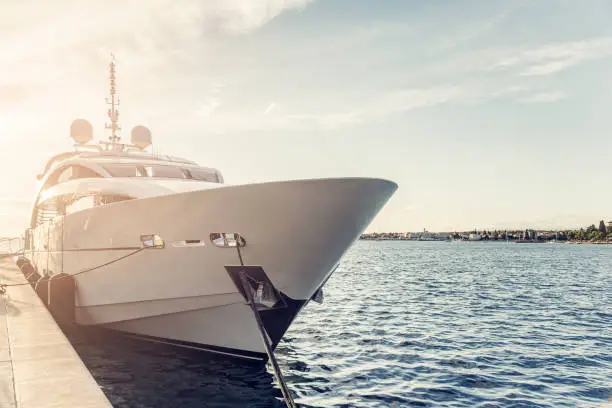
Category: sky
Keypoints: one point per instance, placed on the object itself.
(488, 114)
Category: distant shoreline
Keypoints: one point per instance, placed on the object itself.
(573, 242)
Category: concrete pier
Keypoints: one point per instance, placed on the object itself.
(39, 368)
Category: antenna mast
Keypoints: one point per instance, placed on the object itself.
(113, 111)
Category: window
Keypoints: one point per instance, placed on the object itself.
(70, 173)
(81, 203)
(109, 199)
(84, 202)
(164, 171)
(65, 175)
(57, 206)
(124, 170)
(48, 210)
(161, 171)
(203, 175)
(227, 239)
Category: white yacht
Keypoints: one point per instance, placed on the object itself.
(150, 240)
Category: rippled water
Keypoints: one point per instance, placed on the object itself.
(409, 324)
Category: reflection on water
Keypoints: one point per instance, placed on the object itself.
(136, 374)
(408, 324)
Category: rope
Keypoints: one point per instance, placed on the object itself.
(110, 262)
(3, 286)
(247, 288)
(262, 330)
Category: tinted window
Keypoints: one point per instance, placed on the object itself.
(75, 204)
(65, 175)
(204, 175)
(80, 172)
(70, 173)
(164, 171)
(161, 171)
(80, 203)
(48, 210)
(124, 170)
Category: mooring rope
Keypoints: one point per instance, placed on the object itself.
(251, 302)
(3, 286)
(262, 331)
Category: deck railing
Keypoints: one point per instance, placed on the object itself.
(11, 246)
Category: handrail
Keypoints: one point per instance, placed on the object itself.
(11, 245)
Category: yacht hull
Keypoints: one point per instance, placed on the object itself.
(297, 231)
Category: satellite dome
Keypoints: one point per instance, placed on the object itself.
(141, 137)
(81, 131)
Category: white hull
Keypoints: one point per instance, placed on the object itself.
(296, 230)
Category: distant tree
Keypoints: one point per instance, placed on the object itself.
(580, 234)
(571, 235)
(591, 228)
(595, 235)
(602, 227)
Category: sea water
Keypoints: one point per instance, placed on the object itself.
(408, 324)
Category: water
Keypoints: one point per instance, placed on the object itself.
(409, 324)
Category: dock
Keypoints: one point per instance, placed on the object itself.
(39, 368)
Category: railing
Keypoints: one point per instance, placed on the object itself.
(11, 246)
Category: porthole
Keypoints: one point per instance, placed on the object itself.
(227, 239)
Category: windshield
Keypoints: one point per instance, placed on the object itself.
(161, 171)
(202, 175)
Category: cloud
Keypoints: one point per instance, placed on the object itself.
(544, 97)
(553, 58)
(414, 98)
(364, 108)
(10, 200)
(212, 102)
(468, 32)
(240, 16)
(141, 34)
(270, 108)
(207, 108)
(13, 93)
(410, 208)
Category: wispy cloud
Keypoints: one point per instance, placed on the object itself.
(142, 36)
(544, 97)
(211, 102)
(369, 107)
(413, 98)
(553, 58)
(10, 200)
(270, 108)
(468, 32)
(207, 108)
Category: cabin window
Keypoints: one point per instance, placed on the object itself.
(203, 175)
(93, 200)
(81, 203)
(161, 171)
(65, 175)
(164, 171)
(123, 170)
(109, 199)
(48, 210)
(70, 173)
(65, 205)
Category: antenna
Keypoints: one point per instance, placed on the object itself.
(113, 101)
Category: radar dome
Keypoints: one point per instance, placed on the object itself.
(81, 131)
(141, 137)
